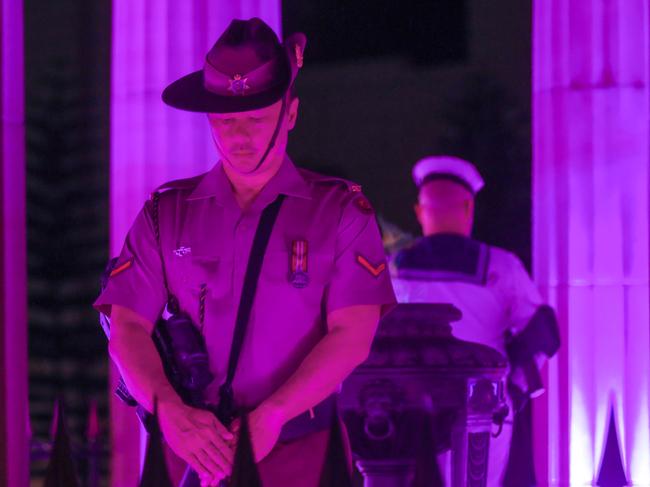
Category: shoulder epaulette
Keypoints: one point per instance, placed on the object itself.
(318, 178)
(179, 184)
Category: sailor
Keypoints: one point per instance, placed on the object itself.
(500, 304)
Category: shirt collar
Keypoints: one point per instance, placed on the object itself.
(287, 181)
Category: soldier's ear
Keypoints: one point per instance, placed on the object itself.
(418, 211)
(292, 113)
(470, 208)
(469, 214)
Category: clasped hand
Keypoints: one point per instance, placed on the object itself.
(197, 436)
(208, 446)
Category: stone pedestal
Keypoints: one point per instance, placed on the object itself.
(387, 473)
(421, 392)
(470, 445)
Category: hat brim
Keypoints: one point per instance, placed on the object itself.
(189, 93)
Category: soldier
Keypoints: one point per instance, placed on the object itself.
(501, 306)
(322, 287)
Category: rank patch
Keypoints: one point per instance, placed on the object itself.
(121, 268)
(364, 205)
(367, 265)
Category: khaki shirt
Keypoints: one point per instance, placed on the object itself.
(325, 227)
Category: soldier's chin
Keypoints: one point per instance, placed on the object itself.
(244, 163)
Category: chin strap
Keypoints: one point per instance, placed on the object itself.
(276, 132)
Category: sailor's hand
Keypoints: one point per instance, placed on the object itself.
(199, 438)
(265, 424)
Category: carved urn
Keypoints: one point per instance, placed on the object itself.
(422, 392)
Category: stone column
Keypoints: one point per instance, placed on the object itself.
(14, 408)
(591, 247)
(155, 42)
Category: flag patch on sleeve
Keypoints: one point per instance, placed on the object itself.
(367, 265)
(364, 205)
(122, 267)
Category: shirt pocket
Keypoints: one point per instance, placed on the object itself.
(201, 274)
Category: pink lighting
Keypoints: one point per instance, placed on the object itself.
(14, 435)
(154, 43)
(591, 188)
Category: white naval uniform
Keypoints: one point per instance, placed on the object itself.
(491, 288)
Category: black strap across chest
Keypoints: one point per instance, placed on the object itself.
(255, 260)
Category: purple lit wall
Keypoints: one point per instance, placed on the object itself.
(155, 42)
(14, 419)
(591, 246)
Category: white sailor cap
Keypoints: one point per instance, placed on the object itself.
(450, 168)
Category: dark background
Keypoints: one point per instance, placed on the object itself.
(385, 86)
(67, 69)
(381, 87)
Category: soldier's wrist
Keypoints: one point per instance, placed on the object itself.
(274, 411)
(167, 397)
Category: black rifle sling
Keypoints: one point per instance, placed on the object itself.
(260, 241)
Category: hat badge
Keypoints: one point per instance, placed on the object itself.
(238, 84)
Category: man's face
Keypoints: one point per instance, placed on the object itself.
(242, 138)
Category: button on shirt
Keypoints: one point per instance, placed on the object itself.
(206, 240)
